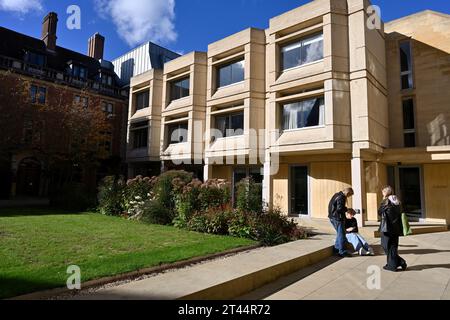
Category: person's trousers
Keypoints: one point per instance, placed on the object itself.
(390, 245)
(357, 241)
(341, 240)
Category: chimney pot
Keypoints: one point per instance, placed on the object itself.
(96, 46)
(49, 26)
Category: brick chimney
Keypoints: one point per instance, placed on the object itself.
(96, 46)
(49, 30)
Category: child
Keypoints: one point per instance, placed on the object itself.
(359, 243)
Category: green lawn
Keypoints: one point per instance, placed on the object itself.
(37, 246)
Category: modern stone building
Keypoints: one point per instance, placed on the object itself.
(340, 101)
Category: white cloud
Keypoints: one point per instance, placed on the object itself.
(138, 21)
(21, 6)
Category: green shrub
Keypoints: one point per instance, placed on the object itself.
(249, 196)
(214, 194)
(242, 225)
(154, 212)
(110, 196)
(137, 189)
(272, 229)
(186, 201)
(73, 196)
(214, 221)
(164, 188)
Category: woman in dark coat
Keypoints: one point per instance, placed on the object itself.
(391, 229)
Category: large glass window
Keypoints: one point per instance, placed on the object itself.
(231, 124)
(409, 126)
(139, 132)
(38, 94)
(231, 73)
(301, 52)
(302, 114)
(406, 65)
(179, 89)
(142, 100)
(178, 133)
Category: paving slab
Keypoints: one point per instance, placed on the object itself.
(428, 275)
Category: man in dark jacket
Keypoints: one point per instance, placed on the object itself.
(336, 213)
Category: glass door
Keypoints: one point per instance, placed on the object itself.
(407, 182)
(299, 191)
(410, 190)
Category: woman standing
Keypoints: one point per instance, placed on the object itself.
(391, 229)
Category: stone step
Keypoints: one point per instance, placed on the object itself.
(422, 229)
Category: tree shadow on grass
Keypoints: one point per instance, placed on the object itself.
(11, 287)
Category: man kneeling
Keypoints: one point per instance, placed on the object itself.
(358, 242)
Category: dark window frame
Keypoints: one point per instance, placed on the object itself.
(139, 131)
(409, 130)
(184, 125)
(38, 94)
(300, 42)
(229, 131)
(145, 101)
(304, 122)
(33, 57)
(178, 89)
(406, 72)
(230, 65)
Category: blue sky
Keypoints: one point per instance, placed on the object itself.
(180, 25)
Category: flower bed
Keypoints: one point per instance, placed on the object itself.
(175, 198)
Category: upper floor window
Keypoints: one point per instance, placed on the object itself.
(231, 124)
(38, 94)
(231, 73)
(406, 65)
(179, 89)
(142, 100)
(78, 71)
(84, 101)
(409, 123)
(35, 58)
(302, 51)
(107, 79)
(107, 107)
(302, 114)
(178, 133)
(139, 133)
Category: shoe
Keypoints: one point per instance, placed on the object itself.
(362, 252)
(370, 252)
(404, 266)
(345, 255)
(387, 268)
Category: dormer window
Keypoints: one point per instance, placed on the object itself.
(107, 79)
(78, 71)
(35, 59)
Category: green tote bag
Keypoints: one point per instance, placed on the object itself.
(406, 227)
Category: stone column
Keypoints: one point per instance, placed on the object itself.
(358, 184)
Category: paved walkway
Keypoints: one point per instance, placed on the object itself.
(428, 275)
(223, 278)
